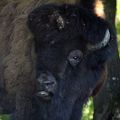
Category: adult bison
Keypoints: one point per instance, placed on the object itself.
(72, 47)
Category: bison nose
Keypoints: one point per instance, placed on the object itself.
(50, 83)
(46, 85)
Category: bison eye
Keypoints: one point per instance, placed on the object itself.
(75, 57)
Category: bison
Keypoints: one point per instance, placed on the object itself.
(73, 46)
(52, 58)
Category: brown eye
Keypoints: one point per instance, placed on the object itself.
(75, 57)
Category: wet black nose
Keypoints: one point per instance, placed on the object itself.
(46, 85)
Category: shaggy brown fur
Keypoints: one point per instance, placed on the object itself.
(16, 57)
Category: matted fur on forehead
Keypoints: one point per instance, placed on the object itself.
(48, 21)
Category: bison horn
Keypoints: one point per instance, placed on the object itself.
(102, 44)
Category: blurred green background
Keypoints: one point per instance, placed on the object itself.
(118, 23)
(89, 108)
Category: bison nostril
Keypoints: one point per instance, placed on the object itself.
(49, 83)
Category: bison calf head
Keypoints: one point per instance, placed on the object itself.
(72, 48)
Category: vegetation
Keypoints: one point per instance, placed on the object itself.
(118, 23)
(4, 117)
(88, 110)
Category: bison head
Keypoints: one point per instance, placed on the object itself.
(72, 48)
